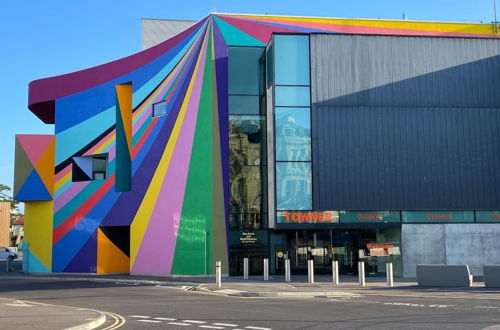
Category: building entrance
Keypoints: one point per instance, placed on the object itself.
(375, 247)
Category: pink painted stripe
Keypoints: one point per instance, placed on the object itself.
(157, 249)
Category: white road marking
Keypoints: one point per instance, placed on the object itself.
(140, 316)
(165, 319)
(149, 321)
(178, 323)
(493, 307)
(194, 321)
(226, 324)
(210, 327)
(258, 328)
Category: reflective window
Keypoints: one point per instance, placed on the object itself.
(293, 134)
(244, 104)
(292, 59)
(247, 140)
(244, 70)
(292, 96)
(245, 186)
(159, 109)
(246, 220)
(88, 168)
(293, 186)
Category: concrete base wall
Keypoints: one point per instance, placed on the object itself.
(472, 244)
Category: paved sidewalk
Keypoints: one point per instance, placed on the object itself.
(22, 314)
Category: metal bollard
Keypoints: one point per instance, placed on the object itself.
(7, 265)
(245, 268)
(335, 272)
(390, 274)
(361, 273)
(218, 273)
(266, 269)
(287, 270)
(310, 271)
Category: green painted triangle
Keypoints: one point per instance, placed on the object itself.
(234, 37)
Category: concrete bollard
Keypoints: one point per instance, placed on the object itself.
(310, 271)
(245, 268)
(361, 273)
(218, 273)
(390, 274)
(335, 272)
(287, 270)
(266, 269)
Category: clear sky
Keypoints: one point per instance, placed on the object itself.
(51, 37)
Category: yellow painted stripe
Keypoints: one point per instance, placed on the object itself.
(143, 215)
(469, 28)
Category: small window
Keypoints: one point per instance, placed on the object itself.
(90, 168)
(159, 109)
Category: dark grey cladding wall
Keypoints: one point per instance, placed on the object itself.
(405, 123)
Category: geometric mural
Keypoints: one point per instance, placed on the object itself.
(166, 177)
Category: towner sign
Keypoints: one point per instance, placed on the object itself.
(308, 217)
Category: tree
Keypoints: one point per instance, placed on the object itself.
(4, 197)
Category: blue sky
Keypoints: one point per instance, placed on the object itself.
(52, 37)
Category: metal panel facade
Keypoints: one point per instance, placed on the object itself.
(405, 123)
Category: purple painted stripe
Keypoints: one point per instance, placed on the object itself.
(156, 251)
(68, 194)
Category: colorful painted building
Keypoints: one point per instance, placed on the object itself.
(269, 136)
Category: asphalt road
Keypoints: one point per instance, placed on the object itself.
(156, 307)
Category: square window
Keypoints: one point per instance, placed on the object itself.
(159, 109)
(89, 168)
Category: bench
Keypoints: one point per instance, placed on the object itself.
(444, 275)
(491, 275)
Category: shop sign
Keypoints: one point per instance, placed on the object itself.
(488, 216)
(370, 216)
(438, 216)
(308, 217)
(248, 237)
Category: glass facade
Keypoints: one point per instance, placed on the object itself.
(292, 121)
(247, 138)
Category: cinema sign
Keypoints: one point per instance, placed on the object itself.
(307, 217)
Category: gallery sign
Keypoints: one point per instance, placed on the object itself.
(370, 216)
(307, 217)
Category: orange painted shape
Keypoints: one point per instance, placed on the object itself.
(110, 259)
(45, 167)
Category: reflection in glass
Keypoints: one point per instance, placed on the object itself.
(293, 134)
(292, 96)
(246, 140)
(245, 186)
(244, 104)
(246, 220)
(244, 70)
(293, 186)
(292, 59)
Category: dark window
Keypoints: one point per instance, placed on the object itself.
(244, 68)
(245, 184)
(89, 168)
(247, 140)
(244, 104)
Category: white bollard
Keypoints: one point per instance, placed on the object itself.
(266, 269)
(218, 273)
(310, 271)
(245, 268)
(390, 274)
(335, 272)
(287, 270)
(361, 273)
